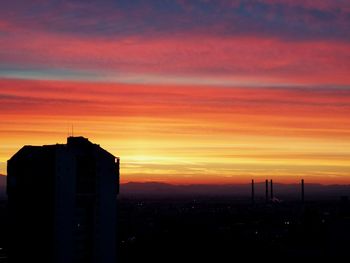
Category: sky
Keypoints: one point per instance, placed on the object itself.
(200, 91)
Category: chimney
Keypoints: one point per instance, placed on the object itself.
(271, 189)
(266, 191)
(253, 193)
(302, 191)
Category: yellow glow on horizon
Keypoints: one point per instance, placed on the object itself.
(181, 139)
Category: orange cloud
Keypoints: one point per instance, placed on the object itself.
(190, 134)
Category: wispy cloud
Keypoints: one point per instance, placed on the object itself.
(218, 41)
(257, 59)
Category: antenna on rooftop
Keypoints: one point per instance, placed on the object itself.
(71, 131)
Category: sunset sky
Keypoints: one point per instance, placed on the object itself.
(200, 91)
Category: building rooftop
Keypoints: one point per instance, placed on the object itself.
(75, 142)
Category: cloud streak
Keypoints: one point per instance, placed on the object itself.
(323, 19)
(217, 133)
(261, 40)
(257, 59)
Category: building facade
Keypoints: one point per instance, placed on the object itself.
(62, 203)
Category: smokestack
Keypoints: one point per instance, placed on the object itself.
(267, 191)
(271, 189)
(253, 193)
(302, 191)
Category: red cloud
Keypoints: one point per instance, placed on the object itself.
(205, 56)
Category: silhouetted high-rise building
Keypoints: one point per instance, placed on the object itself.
(62, 203)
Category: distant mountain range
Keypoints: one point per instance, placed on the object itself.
(281, 191)
(240, 190)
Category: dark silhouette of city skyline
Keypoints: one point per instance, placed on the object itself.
(288, 191)
(65, 198)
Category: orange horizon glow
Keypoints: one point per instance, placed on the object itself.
(188, 134)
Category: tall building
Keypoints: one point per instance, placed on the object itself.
(62, 203)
